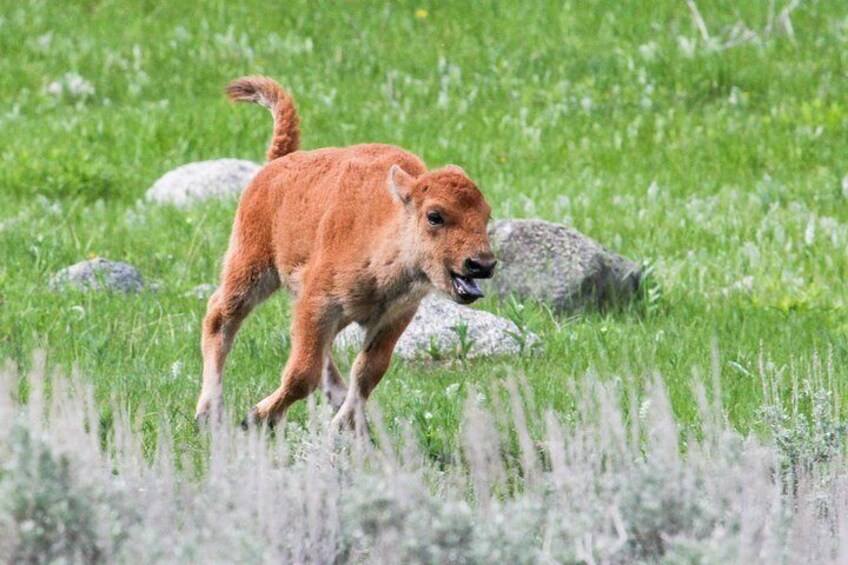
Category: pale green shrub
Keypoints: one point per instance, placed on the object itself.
(604, 488)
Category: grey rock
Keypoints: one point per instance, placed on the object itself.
(435, 332)
(99, 275)
(199, 181)
(559, 266)
(202, 291)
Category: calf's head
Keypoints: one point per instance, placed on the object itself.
(447, 217)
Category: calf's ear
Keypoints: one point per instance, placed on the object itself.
(455, 169)
(400, 184)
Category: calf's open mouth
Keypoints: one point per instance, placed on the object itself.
(466, 288)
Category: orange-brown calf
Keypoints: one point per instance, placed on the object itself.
(357, 234)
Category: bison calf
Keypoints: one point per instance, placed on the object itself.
(357, 234)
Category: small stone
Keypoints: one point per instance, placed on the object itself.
(203, 291)
(98, 275)
(200, 181)
(559, 266)
(435, 332)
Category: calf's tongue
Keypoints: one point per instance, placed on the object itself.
(468, 287)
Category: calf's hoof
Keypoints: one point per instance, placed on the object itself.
(351, 420)
(201, 420)
(255, 420)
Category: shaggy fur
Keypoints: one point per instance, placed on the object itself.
(357, 234)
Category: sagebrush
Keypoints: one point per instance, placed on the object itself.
(618, 482)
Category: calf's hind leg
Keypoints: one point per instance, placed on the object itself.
(241, 290)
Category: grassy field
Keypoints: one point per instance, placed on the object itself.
(722, 166)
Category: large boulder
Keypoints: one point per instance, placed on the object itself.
(202, 180)
(99, 275)
(444, 329)
(558, 266)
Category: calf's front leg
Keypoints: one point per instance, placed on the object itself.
(332, 384)
(369, 367)
(313, 327)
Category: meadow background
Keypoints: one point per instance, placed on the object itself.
(716, 154)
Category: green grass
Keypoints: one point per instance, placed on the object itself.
(712, 165)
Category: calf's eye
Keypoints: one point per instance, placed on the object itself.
(435, 219)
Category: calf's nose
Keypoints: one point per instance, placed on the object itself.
(481, 266)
